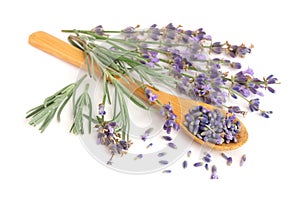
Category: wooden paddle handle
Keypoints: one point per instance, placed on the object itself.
(58, 48)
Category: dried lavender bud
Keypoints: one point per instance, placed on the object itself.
(206, 166)
(228, 159)
(167, 171)
(172, 145)
(139, 156)
(149, 145)
(184, 164)
(189, 153)
(198, 164)
(146, 134)
(212, 126)
(161, 154)
(207, 158)
(167, 138)
(214, 172)
(163, 162)
(243, 159)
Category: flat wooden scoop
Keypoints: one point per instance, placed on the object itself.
(181, 106)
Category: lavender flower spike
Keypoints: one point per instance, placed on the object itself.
(167, 111)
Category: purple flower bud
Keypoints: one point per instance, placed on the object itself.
(139, 156)
(271, 89)
(99, 30)
(198, 164)
(184, 164)
(167, 171)
(189, 153)
(161, 154)
(207, 158)
(228, 159)
(163, 162)
(254, 105)
(236, 65)
(214, 172)
(172, 145)
(151, 97)
(206, 166)
(101, 110)
(265, 114)
(243, 159)
(149, 145)
(167, 138)
(217, 47)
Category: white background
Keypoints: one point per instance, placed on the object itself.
(55, 164)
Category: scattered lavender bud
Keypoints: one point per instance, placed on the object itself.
(161, 154)
(184, 164)
(167, 171)
(146, 134)
(214, 172)
(189, 153)
(163, 162)
(167, 138)
(198, 164)
(172, 145)
(206, 166)
(207, 158)
(243, 159)
(149, 145)
(228, 159)
(139, 156)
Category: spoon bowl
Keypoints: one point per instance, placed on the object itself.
(181, 106)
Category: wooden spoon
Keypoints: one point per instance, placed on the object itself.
(181, 106)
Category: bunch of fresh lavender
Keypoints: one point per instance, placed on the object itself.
(186, 60)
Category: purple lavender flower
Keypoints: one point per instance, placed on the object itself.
(266, 114)
(236, 65)
(236, 109)
(254, 104)
(99, 30)
(151, 97)
(167, 171)
(216, 47)
(167, 111)
(101, 110)
(235, 50)
(170, 31)
(271, 79)
(154, 32)
(108, 137)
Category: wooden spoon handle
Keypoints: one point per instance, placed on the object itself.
(58, 48)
